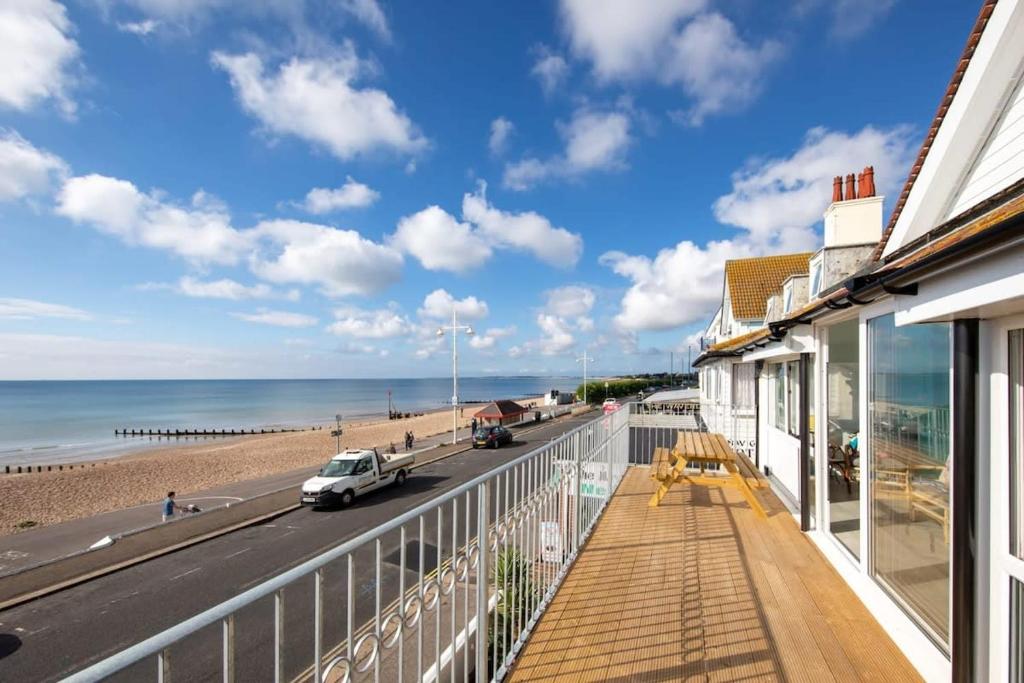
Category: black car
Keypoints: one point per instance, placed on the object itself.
(491, 437)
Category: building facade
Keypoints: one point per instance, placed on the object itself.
(891, 399)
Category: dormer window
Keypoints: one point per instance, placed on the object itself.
(815, 277)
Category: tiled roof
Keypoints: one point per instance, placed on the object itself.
(500, 409)
(947, 99)
(752, 280)
(742, 340)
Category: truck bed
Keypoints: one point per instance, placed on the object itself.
(388, 462)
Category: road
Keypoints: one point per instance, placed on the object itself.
(54, 636)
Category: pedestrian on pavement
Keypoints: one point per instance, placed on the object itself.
(170, 506)
(412, 439)
(472, 427)
(391, 448)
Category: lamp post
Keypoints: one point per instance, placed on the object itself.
(454, 328)
(584, 359)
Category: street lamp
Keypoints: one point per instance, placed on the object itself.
(584, 359)
(454, 328)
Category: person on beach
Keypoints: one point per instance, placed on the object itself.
(170, 506)
(391, 448)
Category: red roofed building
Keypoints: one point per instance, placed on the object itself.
(500, 413)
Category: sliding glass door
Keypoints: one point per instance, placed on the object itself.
(1015, 564)
(842, 401)
(909, 428)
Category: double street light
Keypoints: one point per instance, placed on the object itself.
(454, 329)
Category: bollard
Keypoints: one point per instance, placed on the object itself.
(19, 469)
(60, 467)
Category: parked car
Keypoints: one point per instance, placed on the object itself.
(352, 473)
(491, 437)
(610, 405)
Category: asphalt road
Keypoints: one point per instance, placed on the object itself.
(55, 636)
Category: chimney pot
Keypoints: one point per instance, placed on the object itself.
(867, 183)
(851, 187)
(837, 189)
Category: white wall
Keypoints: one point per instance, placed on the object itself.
(1002, 159)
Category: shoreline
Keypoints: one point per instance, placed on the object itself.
(117, 448)
(144, 476)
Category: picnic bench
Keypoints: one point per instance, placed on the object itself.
(703, 449)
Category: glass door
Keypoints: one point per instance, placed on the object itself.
(842, 401)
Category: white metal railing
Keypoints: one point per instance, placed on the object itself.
(367, 610)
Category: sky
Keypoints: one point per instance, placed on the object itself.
(305, 188)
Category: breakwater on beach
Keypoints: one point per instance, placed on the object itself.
(51, 421)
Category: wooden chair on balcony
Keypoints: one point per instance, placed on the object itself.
(703, 449)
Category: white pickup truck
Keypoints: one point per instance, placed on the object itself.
(352, 473)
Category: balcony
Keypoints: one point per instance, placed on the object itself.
(574, 578)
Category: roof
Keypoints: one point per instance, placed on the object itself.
(954, 84)
(752, 280)
(500, 409)
(741, 340)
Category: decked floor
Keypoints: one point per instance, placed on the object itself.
(700, 589)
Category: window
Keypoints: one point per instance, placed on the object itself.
(1016, 630)
(1016, 377)
(842, 404)
(908, 422)
(793, 396)
(743, 385)
(815, 279)
(780, 395)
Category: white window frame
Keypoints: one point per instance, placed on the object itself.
(1003, 565)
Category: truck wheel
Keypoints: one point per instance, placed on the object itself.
(347, 497)
(400, 478)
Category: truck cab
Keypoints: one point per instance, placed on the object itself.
(352, 473)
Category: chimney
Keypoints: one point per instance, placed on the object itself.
(855, 215)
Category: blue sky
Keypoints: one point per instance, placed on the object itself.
(278, 188)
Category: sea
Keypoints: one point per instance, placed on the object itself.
(49, 422)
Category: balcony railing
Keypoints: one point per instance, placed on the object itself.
(417, 598)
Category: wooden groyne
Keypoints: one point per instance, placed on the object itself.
(206, 432)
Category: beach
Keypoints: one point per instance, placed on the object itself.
(146, 476)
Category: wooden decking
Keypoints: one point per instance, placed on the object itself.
(701, 589)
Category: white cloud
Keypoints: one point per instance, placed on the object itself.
(440, 242)
(849, 19)
(501, 129)
(673, 42)
(369, 13)
(28, 309)
(316, 99)
(201, 233)
(585, 324)
(679, 286)
(265, 316)
(139, 28)
(715, 67)
(780, 200)
(488, 339)
(438, 306)
(363, 324)
(556, 336)
(341, 262)
(37, 55)
(526, 231)
(623, 39)
(594, 141)
(24, 169)
(351, 195)
(776, 202)
(569, 302)
(223, 288)
(550, 69)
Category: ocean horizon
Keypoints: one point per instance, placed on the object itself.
(57, 421)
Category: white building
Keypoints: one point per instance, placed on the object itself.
(892, 400)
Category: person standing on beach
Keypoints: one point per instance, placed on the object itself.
(170, 506)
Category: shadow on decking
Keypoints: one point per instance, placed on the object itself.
(701, 589)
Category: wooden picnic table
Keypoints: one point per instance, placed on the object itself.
(701, 448)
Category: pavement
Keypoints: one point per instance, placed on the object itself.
(56, 635)
(29, 548)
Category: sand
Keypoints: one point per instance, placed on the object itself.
(145, 477)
